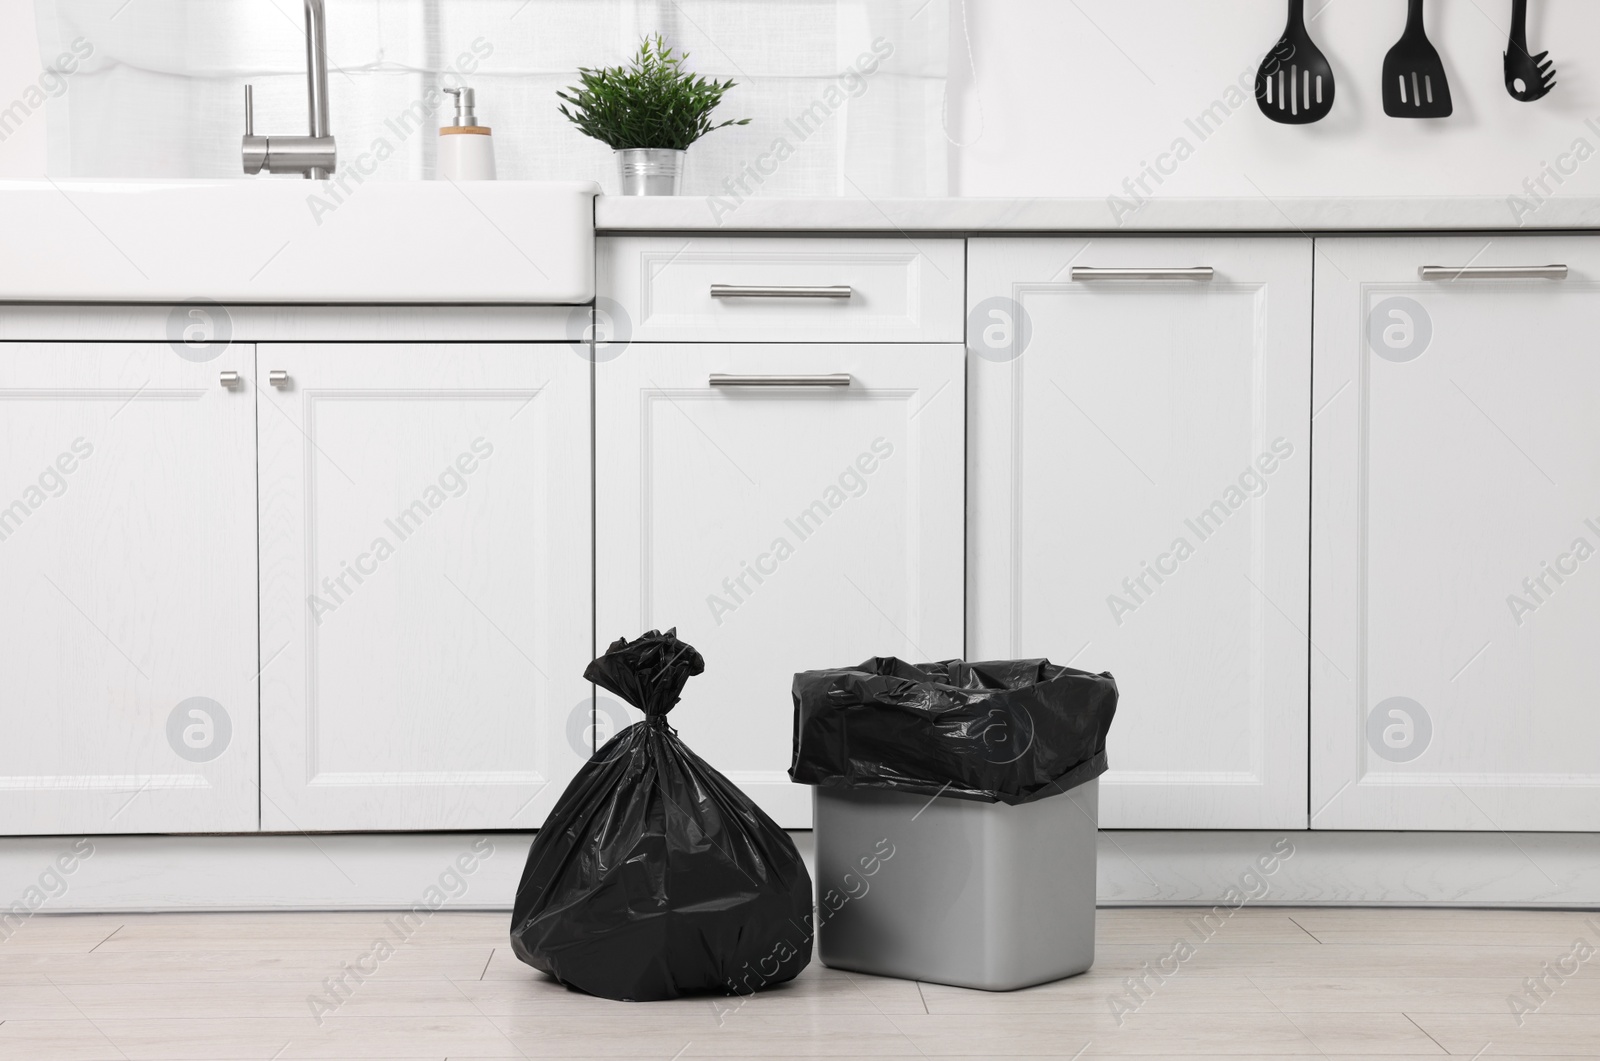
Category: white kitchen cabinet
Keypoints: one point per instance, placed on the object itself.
(128, 572)
(724, 289)
(1456, 570)
(779, 529)
(1139, 485)
(425, 599)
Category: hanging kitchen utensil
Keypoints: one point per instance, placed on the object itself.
(1295, 83)
(1414, 85)
(1528, 77)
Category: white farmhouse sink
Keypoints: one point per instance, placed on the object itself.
(291, 241)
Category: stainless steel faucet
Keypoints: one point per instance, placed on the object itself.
(316, 155)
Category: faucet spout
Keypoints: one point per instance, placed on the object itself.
(317, 67)
(314, 156)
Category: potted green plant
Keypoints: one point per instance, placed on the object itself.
(649, 112)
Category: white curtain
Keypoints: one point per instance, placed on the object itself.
(161, 94)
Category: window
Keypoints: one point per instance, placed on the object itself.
(161, 95)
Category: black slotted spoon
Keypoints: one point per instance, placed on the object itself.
(1414, 85)
(1528, 77)
(1295, 83)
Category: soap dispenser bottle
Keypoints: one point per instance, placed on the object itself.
(466, 149)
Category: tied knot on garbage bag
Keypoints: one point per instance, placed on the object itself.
(1008, 731)
(654, 876)
(648, 672)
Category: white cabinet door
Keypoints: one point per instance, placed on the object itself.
(426, 598)
(780, 529)
(1139, 491)
(1456, 574)
(128, 572)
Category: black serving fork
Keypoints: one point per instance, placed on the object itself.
(1528, 77)
(1414, 85)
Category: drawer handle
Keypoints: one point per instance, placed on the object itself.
(1493, 272)
(826, 379)
(751, 291)
(1201, 273)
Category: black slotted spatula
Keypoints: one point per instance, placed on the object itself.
(1414, 85)
(1295, 83)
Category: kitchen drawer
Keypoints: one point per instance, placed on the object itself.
(761, 289)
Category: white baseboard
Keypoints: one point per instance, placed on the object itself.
(386, 871)
(1330, 868)
(371, 871)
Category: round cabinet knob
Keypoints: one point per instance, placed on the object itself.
(230, 379)
(278, 378)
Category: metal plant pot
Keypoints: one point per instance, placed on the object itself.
(650, 170)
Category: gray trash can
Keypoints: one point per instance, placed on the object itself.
(956, 816)
(981, 895)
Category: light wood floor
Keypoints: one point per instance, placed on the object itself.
(1328, 983)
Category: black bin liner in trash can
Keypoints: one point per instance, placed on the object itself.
(1010, 731)
(654, 876)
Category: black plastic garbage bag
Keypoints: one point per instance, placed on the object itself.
(654, 876)
(1010, 731)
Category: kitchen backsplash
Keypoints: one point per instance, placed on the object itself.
(1120, 100)
(1106, 98)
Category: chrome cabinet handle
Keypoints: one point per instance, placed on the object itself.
(753, 291)
(278, 378)
(828, 379)
(1493, 272)
(1082, 273)
(230, 379)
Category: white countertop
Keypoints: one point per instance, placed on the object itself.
(282, 242)
(1261, 214)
